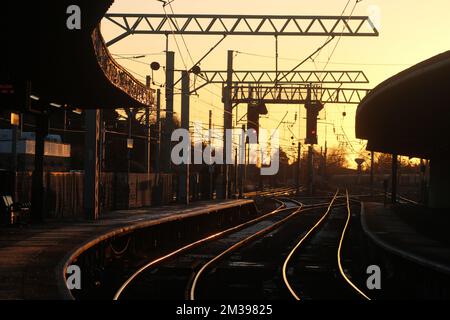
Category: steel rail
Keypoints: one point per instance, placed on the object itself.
(153, 263)
(302, 240)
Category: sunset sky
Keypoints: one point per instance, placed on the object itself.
(410, 31)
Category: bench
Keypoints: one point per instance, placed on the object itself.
(13, 213)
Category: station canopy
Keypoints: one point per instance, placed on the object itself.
(409, 114)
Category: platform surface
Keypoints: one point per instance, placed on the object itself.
(393, 234)
(30, 255)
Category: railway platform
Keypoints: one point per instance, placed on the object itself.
(32, 258)
(394, 235)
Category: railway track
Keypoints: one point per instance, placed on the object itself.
(193, 251)
(243, 261)
(275, 192)
(318, 257)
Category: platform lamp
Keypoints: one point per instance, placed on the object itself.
(15, 123)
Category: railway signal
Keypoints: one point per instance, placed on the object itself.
(312, 112)
(253, 113)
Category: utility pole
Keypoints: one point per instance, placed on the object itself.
(148, 144)
(15, 123)
(102, 158)
(247, 160)
(394, 178)
(276, 59)
(311, 170)
(14, 136)
(129, 144)
(37, 199)
(423, 183)
(372, 160)
(311, 135)
(65, 126)
(242, 162)
(158, 131)
(184, 176)
(236, 172)
(148, 135)
(170, 80)
(227, 124)
(211, 167)
(325, 158)
(297, 172)
(91, 164)
(157, 198)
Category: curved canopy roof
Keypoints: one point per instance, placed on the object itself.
(64, 66)
(409, 114)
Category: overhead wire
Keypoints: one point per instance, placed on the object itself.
(342, 14)
(182, 37)
(343, 28)
(324, 62)
(175, 38)
(175, 22)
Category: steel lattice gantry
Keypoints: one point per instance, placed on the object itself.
(296, 94)
(264, 77)
(205, 24)
(282, 77)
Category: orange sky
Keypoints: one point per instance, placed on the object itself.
(410, 31)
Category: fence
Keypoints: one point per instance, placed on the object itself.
(64, 191)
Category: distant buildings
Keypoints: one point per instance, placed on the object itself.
(57, 154)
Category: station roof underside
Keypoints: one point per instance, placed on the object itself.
(61, 64)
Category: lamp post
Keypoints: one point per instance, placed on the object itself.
(15, 123)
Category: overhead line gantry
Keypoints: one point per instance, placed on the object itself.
(262, 77)
(241, 90)
(299, 94)
(254, 25)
